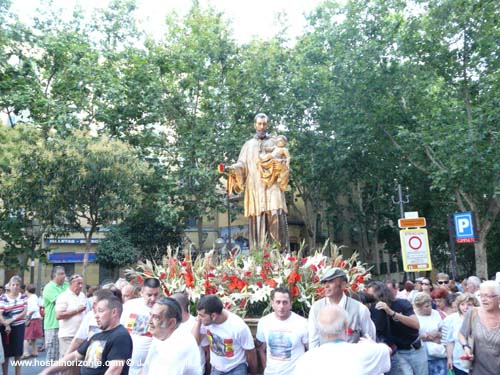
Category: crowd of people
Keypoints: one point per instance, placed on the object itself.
(427, 328)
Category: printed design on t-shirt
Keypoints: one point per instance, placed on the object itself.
(93, 356)
(93, 330)
(219, 346)
(280, 345)
(138, 325)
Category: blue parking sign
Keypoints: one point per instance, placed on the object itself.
(464, 227)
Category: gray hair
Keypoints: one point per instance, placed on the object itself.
(332, 320)
(55, 270)
(421, 299)
(121, 282)
(491, 285)
(15, 279)
(474, 280)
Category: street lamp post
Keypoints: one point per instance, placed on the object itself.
(402, 202)
(35, 232)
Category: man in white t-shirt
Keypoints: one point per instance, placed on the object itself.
(172, 351)
(187, 324)
(232, 349)
(335, 353)
(282, 335)
(135, 318)
(70, 309)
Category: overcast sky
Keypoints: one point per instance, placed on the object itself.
(254, 17)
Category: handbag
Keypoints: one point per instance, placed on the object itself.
(465, 363)
(435, 350)
(470, 338)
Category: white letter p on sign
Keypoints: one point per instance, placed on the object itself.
(462, 224)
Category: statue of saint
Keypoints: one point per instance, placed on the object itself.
(262, 171)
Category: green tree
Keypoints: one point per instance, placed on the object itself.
(80, 182)
(116, 250)
(21, 225)
(446, 94)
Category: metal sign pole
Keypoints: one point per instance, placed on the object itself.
(451, 232)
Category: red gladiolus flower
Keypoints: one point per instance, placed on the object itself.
(263, 274)
(320, 292)
(294, 291)
(293, 278)
(259, 284)
(361, 279)
(165, 290)
(350, 331)
(314, 268)
(303, 260)
(266, 255)
(163, 275)
(315, 279)
(233, 284)
(236, 284)
(189, 279)
(272, 283)
(209, 289)
(220, 168)
(140, 280)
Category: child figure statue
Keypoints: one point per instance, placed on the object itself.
(275, 164)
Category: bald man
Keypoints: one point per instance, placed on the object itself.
(363, 358)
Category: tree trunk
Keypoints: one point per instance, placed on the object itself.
(199, 227)
(481, 259)
(88, 243)
(310, 221)
(309, 218)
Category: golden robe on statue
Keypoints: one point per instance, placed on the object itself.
(264, 177)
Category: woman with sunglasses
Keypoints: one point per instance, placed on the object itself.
(482, 325)
(427, 286)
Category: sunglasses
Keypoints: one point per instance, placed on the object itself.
(426, 283)
(443, 282)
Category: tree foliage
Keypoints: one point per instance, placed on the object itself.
(372, 94)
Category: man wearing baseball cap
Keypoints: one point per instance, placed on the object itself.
(359, 322)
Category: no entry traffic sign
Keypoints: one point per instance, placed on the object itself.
(415, 250)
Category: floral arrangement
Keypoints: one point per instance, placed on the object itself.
(244, 281)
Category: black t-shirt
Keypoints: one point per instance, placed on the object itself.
(392, 332)
(104, 347)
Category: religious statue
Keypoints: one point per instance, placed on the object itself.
(262, 171)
